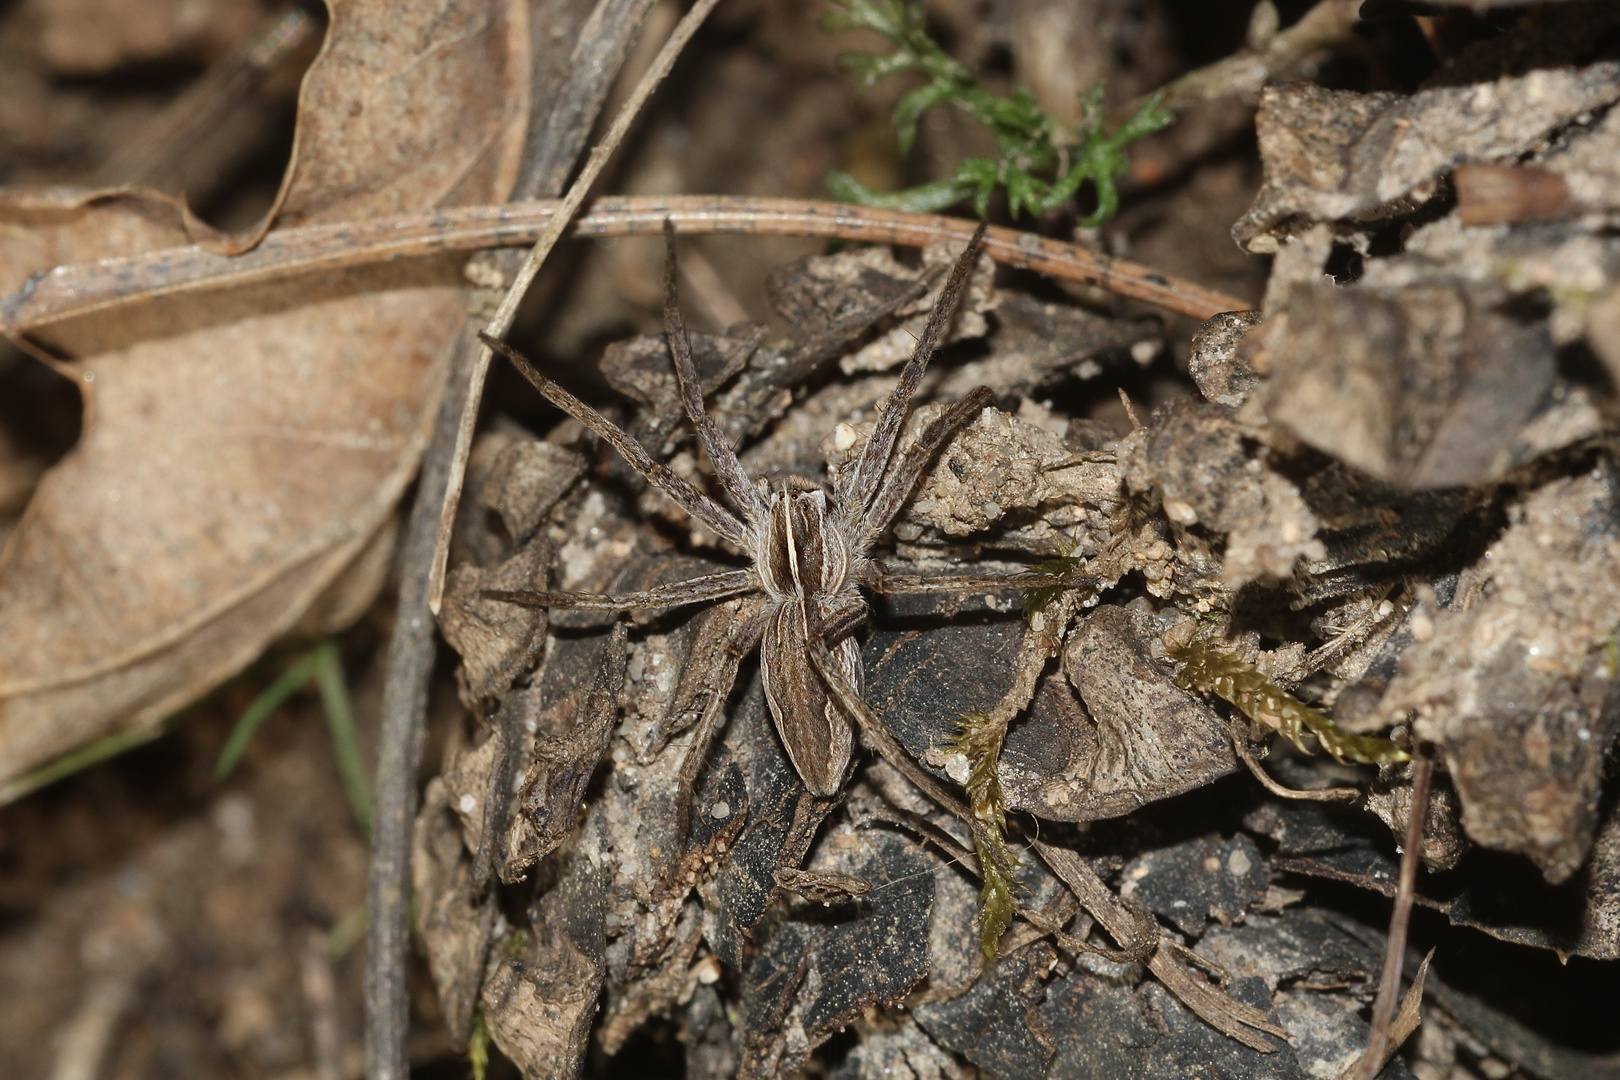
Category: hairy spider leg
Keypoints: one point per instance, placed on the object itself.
(857, 494)
(743, 639)
(908, 469)
(895, 583)
(687, 497)
(727, 469)
(695, 590)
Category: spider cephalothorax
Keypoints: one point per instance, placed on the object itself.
(808, 545)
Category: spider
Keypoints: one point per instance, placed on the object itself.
(809, 546)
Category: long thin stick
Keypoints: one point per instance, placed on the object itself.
(80, 289)
(1389, 982)
(593, 64)
(556, 224)
(399, 752)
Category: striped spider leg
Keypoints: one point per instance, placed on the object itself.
(808, 547)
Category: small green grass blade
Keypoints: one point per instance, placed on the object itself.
(340, 721)
(346, 934)
(70, 763)
(268, 701)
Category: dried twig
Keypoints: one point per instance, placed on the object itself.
(399, 752)
(72, 291)
(1269, 53)
(604, 40)
(1240, 745)
(1226, 1014)
(1380, 1044)
(556, 225)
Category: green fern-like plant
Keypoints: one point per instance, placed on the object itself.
(1042, 164)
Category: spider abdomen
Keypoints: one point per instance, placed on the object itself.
(817, 735)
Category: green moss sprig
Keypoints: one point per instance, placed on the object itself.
(979, 738)
(1063, 564)
(1209, 669)
(1042, 163)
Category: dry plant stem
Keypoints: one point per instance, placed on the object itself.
(1240, 745)
(75, 290)
(587, 75)
(1042, 636)
(1228, 1016)
(1049, 926)
(83, 1042)
(1328, 24)
(399, 754)
(1379, 1043)
(501, 321)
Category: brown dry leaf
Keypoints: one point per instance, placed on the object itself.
(241, 450)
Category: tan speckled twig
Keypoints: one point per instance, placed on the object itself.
(80, 289)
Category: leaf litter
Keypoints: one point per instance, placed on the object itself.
(1429, 566)
(206, 511)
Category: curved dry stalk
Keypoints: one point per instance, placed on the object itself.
(1269, 52)
(501, 321)
(1380, 1044)
(71, 291)
(1240, 746)
(1226, 1014)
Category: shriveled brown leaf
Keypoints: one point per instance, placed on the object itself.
(241, 449)
(1148, 739)
(454, 922)
(497, 641)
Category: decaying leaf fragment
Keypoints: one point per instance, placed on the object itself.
(1146, 738)
(454, 922)
(810, 978)
(1108, 735)
(522, 478)
(541, 998)
(242, 450)
(497, 642)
